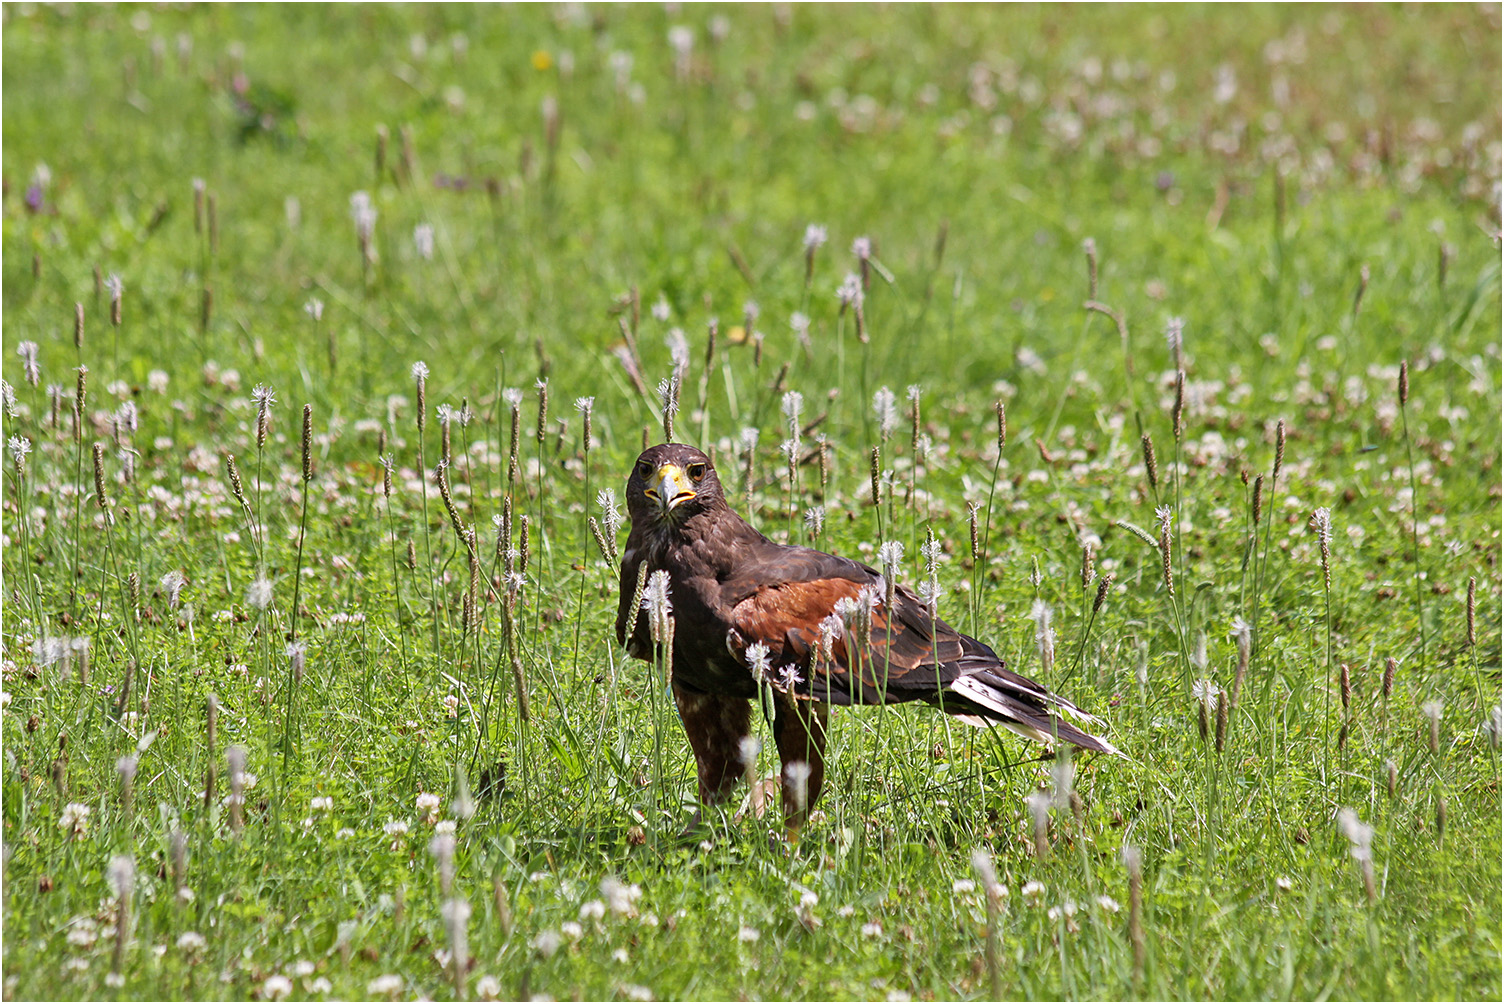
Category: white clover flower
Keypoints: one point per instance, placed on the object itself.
(423, 240)
(192, 941)
(388, 985)
(258, 595)
(619, 896)
(592, 910)
(546, 943)
(748, 935)
(276, 988)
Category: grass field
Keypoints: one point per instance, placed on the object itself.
(281, 720)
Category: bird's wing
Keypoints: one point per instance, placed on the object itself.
(780, 597)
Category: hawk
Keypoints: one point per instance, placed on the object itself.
(753, 618)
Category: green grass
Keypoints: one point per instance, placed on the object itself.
(978, 149)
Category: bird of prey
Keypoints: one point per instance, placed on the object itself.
(808, 629)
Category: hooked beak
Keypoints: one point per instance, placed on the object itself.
(669, 487)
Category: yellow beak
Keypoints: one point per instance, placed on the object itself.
(669, 487)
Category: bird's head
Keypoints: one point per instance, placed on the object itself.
(671, 483)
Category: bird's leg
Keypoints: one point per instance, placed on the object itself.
(799, 729)
(717, 727)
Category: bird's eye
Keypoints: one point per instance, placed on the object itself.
(696, 471)
(644, 469)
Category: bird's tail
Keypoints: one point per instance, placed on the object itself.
(1023, 706)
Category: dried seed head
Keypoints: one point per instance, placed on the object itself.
(1404, 387)
(82, 394)
(441, 478)
(1391, 664)
(1472, 622)
(1151, 466)
(876, 474)
(1221, 734)
(1103, 586)
(307, 442)
(585, 405)
(523, 545)
(1391, 777)
(1345, 682)
(1279, 447)
(542, 387)
(1166, 568)
(1138, 532)
(1177, 413)
(420, 383)
(1088, 567)
(99, 496)
(237, 488)
(387, 462)
(1321, 523)
(1258, 498)
(600, 540)
(1432, 711)
(117, 294)
(264, 398)
(1002, 427)
(972, 509)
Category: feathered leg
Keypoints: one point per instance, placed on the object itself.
(716, 727)
(799, 729)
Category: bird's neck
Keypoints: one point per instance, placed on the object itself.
(700, 542)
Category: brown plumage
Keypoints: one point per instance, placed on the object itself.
(816, 627)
